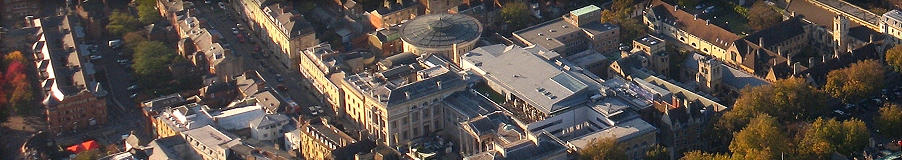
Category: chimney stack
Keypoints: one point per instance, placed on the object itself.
(871, 38)
(761, 42)
(676, 7)
(695, 17)
(707, 22)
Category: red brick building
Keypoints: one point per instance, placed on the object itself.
(73, 99)
(16, 9)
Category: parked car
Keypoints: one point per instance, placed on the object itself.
(133, 95)
(222, 5)
(96, 57)
(115, 43)
(281, 87)
(123, 61)
(256, 48)
(235, 31)
(279, 78)
(133, 87)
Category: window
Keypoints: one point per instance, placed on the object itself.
(425, 113)
(405, 120)
(416, 117)
(404, 135)
(416, 131)
(394, 124)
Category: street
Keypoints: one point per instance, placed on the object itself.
(265, 65)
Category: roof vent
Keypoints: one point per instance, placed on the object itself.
(540, 34)
(564, 26)
(551, 30)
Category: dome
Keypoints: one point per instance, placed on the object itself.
(440, 30)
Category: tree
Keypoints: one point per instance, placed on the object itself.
(855, 82)
(516, 15)
(786, 100)
(147, 14)
(762, 16)
(88, 155)
(888, 120)
(824, 137)
(14, 56)
(605, 148)
(619, 14)
(699, 155)
(894, 57)
(132, 39)
(656, 152)
(763, 138)
(152, 59)
(121, 23)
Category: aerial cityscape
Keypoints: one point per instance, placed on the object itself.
(450, 79)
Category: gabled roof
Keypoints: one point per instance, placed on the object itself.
(780, 32)
(692, 25)
(268, 119)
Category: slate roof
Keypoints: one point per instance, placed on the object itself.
(687, 22)
(780, 32)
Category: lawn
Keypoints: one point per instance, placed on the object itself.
(724, 16)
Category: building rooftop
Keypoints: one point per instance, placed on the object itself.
(853, 10)
(323, 131)
(780, 32)
(550, 34)
(622, 131)
(548, 86)
(290, 22)
(392, 87)
(894, 14)
(468, 104)
(211, 137)
(815, 14)
(692, 25)
(441, 30)
(62, 58)
(269, 119)
(584, 10)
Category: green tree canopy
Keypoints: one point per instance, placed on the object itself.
(763, 138)
(824, 137)
(894, 57)
(605, 148)
(787, 99)
(888, 120)
(656, 152)
(855, 82)
(152, 59)
(516, 15)
(619, 14)
(121, 23)
(132, 39)
(699, 155)
(762, 16)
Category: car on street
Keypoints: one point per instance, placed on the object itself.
(208, 1)
(133, 95)
(115, 43)
(281, 87)
(256, 48)
(240, 27)
(222, 5)
(123, 61)
(279, 78)
(241, 38)
(133, 87)
(96, 57)
(235, 30)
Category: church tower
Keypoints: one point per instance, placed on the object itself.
(709, 74)
(841, 33)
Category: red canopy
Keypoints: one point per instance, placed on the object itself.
(75, 148)
(87, 145)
